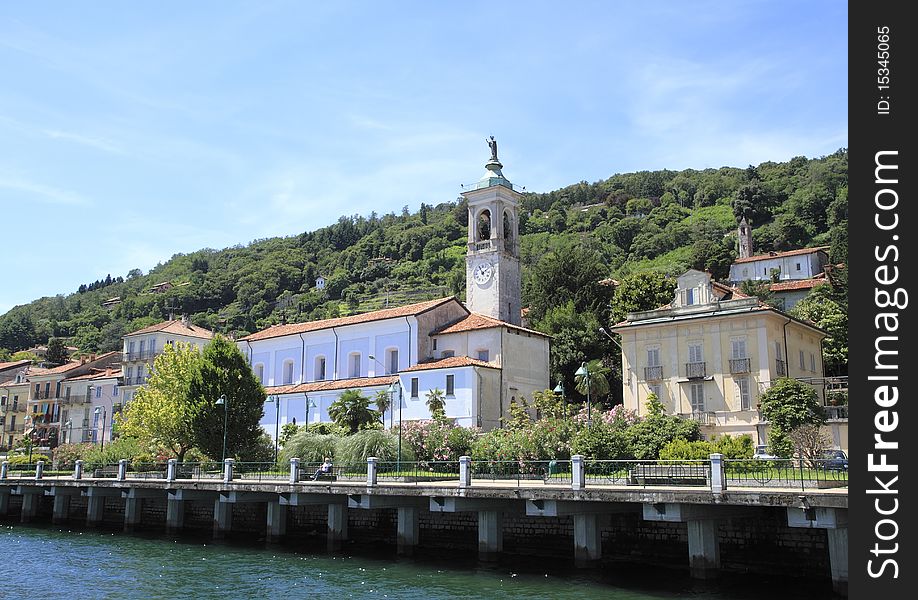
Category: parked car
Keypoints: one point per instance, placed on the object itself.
(761, 453)
(834, 460)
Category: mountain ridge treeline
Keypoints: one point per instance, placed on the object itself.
(647, 221)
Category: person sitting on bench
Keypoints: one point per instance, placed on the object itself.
(324, 469)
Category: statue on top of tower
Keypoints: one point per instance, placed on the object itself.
(492, 144)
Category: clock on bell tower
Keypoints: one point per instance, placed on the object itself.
(492, 263)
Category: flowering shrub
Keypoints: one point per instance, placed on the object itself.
(66, 455)
(431, 440)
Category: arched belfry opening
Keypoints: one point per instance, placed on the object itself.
(483, 226)
(509, 236)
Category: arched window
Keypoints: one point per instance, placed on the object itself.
(508, 231)
(288, 372)
(484, 225)
(260, 373)
(391, 361)
(319, 373)
(353, 361)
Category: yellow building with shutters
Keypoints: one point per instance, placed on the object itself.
(710, 354)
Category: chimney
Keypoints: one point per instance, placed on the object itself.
(92, 358)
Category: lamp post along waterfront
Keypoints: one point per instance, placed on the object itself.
(101, 409)
(222, 400)
(394, 389)
(276, 401)
(584, 372)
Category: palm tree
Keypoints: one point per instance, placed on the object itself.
(598, 375)
(352, 411)
(383, 402)
(436, 404)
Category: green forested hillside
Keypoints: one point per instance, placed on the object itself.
(650, 221)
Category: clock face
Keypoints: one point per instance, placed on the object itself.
(482, 273)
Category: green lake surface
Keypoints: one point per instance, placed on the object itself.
(53, 561)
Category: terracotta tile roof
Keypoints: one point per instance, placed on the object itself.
(14, 364)
(177, 327)
(727, 292)
(76, 363)
(377, 315)
(332, 384)
(477, 321)
(781, 254)
(451, 362)
(97, 374)
(799, 284)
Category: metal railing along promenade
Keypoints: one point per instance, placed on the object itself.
(716, 473)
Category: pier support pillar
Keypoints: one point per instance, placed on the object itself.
(587, 540)
(704, 549)
(95, 510)
(408, 529)
(4, 502)
(30, 506)
(175, 515)
(132, 511)
(277, 521)
(337, 526)
(223, 518)
(490, 534)
(838, 559)
(61, 509)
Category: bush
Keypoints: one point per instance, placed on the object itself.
(123, 448)
(680, 449)
(66, 455)
(355, 449)
(602, 441)
(260, 450)
(309, 447)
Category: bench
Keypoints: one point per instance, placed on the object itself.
(105, 471)
(306, 474)
(674, 474)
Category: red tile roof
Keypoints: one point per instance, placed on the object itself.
(377, 315)
(97, 374)
(477, 321)
(781, 254)
(332, 384)
(727, 291)
(177, 327)
(799, 284)
(451, 362)
(75, 363)
(14, 364)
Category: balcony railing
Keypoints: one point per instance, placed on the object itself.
(653, 373)
(702, 417)
(135, 380)
(482, 245)
(836, 413)
(695, 370)
(138, 355)
(780, 368)
(739, 365)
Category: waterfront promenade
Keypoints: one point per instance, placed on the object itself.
(703, 499)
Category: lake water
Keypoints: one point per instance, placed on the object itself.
(50, 561)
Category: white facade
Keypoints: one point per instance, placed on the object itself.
(477, 354)
(796, 264)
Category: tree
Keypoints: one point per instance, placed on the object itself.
(436, 404)
(161, 411)
(641, 291)
(598, 376)
(761, 289)
(820, 308)
(383, 401)
(351, 411)
(809, 441)
(24, 355)
(787, 405)
(57, 352)
(224, 372)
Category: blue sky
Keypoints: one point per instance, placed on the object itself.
(133, 131)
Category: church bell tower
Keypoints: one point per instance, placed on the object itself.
(492, 263)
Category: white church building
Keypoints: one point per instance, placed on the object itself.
(477, 353)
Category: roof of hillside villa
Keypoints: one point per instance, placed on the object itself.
(177, 327)
(476, 321)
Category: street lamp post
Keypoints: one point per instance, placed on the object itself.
(224, 401)
(585, 373)
(310, 403)
(28, 420)
(394, 389)
(101, 409)
(276, 401)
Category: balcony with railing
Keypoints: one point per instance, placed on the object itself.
(738, 366)
(653, 373)
(780, 368)
(701, 417)
(481, 245)
(695, 370)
